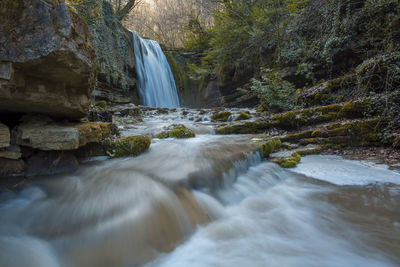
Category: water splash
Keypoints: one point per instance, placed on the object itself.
(156, 82)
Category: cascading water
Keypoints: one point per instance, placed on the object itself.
(156, 83)
(146, 210)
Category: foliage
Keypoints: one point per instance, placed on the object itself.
(198, 36)
(321, 38)
(275, 94)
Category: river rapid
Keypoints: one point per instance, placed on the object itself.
(204, 201)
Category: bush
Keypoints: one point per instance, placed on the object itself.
(275, 94)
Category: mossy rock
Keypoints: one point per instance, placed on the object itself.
(285, 120)
(309, 150)
(128, 146)
(289, 162)
(243, 116)
(317, 133)
(297, 136)
(222, 116)
(178, 131)
(244, 128)
(269, 146)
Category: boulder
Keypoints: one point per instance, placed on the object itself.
(128, 146)
(4, 136)
(46, 62)
(40, 133)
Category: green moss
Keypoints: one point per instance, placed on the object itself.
(269, 147)
(243, 116)
(128, 146)
(162, 135)
(297, 136)
(179, 131)
(318, 149)
(352, 110)
(317, 133)
(285, 120)
(289, 162)
(244, 128)
(308, 141)
(221, 116)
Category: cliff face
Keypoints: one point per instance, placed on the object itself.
(46, 64)
(194, 90)
(55, 57)
(114, 49)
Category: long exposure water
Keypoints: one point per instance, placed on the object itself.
(204, 201)
(155, 79)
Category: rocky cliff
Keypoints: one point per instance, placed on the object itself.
(46, 62)
(56, 58)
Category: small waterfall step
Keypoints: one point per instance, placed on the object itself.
(155, 79)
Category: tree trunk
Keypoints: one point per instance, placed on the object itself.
(127, 8)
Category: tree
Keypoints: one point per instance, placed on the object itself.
(123, 7)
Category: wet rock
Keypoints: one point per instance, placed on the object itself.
(177, 131)
(222, 116)
(243, 116)
(46, 60)
(286, 159)
(133, 111)
(128, 146)
(50, 163)
(11, 152)
(4, 136)
(269, 146)
(11, 167)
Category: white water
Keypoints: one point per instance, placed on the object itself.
(206, 201)
(155, 79)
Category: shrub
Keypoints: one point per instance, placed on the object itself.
(275, 94)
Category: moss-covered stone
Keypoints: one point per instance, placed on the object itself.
(94, 132)
(297, 136)
(178, 131)
(285, 120)
(128, 146)
(269, 146)
(222, 116)
(243, 116)
(309, 150)
(244, 128)
(317, 133)
(289, 162)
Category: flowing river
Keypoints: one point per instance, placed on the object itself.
(204, 201)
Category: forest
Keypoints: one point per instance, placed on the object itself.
(199, 133)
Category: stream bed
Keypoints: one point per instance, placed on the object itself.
(204, 201)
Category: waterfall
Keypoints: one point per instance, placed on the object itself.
(156, 82)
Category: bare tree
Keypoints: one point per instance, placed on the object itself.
(165, 20)
(123, 7)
